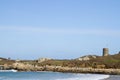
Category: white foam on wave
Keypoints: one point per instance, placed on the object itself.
(87, 77)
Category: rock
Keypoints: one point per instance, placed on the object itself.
(88, 57)
(43, 59)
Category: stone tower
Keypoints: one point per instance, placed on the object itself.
(119, 52)
(105, 51)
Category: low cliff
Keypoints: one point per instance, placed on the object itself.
(27, 67)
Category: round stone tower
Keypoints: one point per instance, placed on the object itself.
(105, 51)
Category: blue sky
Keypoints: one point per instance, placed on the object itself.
(64, 29)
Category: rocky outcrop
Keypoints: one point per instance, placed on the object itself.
(88, 57)
(25, 67)
(28, 67)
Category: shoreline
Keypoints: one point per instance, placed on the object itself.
(70, 70)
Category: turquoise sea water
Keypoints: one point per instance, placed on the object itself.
(49, 76)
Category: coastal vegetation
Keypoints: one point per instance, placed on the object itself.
(111, 61)
(109, 64)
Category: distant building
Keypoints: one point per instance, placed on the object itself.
(43, 59)
(17, 60)
(105, 51)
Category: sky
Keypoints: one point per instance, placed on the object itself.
(58, 29)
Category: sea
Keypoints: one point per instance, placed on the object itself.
(54, 76)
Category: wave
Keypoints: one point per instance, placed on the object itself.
(51, 76)
(86, 77)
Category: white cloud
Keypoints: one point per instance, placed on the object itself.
(39, 30)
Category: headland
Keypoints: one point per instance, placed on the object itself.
(105, 64)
